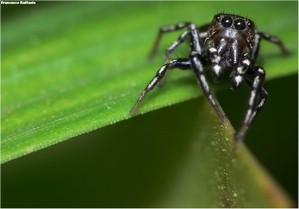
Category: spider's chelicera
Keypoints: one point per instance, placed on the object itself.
(229, 43)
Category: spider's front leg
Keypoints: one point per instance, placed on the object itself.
(198, 68)
(182, 64)
(255, 77)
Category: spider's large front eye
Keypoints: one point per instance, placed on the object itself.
(227, 21)
(239, 24)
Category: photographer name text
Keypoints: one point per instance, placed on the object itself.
(18, 2)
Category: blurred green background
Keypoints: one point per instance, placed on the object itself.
(133, 161)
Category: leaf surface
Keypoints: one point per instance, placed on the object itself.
(82, 69)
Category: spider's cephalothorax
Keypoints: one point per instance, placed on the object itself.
(230, 43)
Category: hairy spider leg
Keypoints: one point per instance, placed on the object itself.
(275, 40)
(175, 44)
(182, 64)
(162, 31)
(171, 28)
(183, 37)
(259, 94)
(198, 68)
(257, 99)
(202, 81)
(172, 47)
(202, 35)
(270, 38)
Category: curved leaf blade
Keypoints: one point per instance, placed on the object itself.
(73, 73)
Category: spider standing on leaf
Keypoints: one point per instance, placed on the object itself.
(229, 43)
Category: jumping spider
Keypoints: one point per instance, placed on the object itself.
(229, 43)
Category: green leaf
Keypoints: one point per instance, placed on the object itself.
(83, 68)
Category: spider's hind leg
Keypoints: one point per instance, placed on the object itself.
(167, 29)
(275, 40)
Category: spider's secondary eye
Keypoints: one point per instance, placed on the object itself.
(217, 17)
(250, 24)
(227, 21)
(239, 24)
